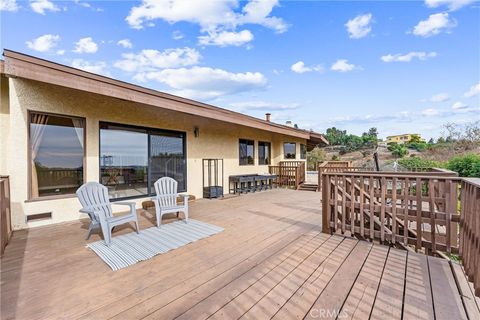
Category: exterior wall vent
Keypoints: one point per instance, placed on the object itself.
(38, 216)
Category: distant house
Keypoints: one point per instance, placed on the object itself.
(403, 138)
(61, 127)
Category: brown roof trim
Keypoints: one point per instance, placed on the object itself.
(33, 68)
(318, 137)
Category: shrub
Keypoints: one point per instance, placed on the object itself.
(419, 146)
(417, 162)
(466, 166)
(398, 150)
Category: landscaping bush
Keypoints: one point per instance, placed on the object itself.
(466, 166)
(419, 146)
(397, 150)
(417, 162)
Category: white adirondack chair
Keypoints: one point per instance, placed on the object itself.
(166, 199)
(95, 202)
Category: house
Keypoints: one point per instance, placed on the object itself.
(403, 138)
(61, 127)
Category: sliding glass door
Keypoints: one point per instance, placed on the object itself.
(133, 158)
(167, 157)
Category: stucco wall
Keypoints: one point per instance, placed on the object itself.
(216, 140)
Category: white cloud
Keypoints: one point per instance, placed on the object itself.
(473, 91)
(209, 15)
(204, 82)
(430, 112)
(151, 60)
(342, 65)
(440, 97)
(435, 24)
(98, 67)
(41, 6)
(177, 35)
(420, 55)
(459, 105)
(60, 52)
(44, 43)
(85, 45)
(299, 67)
(359, 26)
(215, 18)
(8, 5)
(452, 4)
(263, 106)
(226, 38)
(126, 43)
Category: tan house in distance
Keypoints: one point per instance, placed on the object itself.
(61, 127)
(403, 138)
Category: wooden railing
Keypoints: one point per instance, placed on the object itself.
(290, 174)
(5, 216)
(335, 166)
(433, 212)
(470, 230)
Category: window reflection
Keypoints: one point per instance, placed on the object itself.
(123, 161)
(56, 152)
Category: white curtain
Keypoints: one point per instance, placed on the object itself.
(37, 129)
(79, 127)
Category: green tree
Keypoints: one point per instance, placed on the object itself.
(314, 156)
(415, 138)
(466, 166)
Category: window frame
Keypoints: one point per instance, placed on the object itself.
(239, 156)
(148, 131)
(285, 155)
(269, 153)
(30, 198)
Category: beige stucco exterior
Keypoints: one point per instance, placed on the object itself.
(216, 140)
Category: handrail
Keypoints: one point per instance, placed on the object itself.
(290, 174)
(470, 230)
(5, 215)
(407, 209)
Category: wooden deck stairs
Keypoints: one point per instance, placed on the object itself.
(308, 187)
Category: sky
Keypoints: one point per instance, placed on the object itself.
(400, 66)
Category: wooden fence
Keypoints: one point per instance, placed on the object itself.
(290, 174)
(411, 210)
(335, 166)
(5, 217)
(470, 230)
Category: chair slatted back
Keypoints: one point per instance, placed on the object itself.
(166, 189)
(93, 195)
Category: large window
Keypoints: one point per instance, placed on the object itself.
(56, 153)
(264, 153)
(132, 159)
(303, 151)
(289, 150)
(246, 152)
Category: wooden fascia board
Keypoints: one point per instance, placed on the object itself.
(27, 67)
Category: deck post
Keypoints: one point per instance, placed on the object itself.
(325, 204)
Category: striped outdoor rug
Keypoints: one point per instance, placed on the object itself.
(128, 249)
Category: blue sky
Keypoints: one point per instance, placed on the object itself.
(408, 66)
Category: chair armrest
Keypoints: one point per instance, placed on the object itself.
(125, 203)
(86, 210)
(185, 197)
(132, 205)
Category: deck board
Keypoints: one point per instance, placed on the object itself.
(272, 261)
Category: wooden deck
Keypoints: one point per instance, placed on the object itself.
(272, 261)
